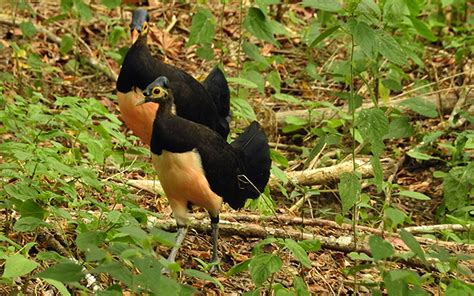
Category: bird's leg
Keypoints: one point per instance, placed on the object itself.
(215, 238)
(182, 230)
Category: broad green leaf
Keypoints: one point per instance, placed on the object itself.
(203, 276)
(326, 5)
(257, 24)
(262, 266)
(278, 158)
(419, 155)
(242, 81)
(242, 266)
(64, 272)
(412, 243)
(298, 252)
(244, 108)
(423, 29)
(256, 77)
(310, 245)
(22, 191)
(395, 215)
(202, 28)
(118, 271)
(393, 11)
(253, 52)
(274, 80)
(399, 128)
(349, 190)
(392, 84)
(32, 209)
(27, 224)
(316, 150)
(373, 125)
(389, 48)
(300, 286)
(118, 32)
(421, 107)
(67, 42)
(414, 195)
(28, 29)
(328, 32)
(286, 98)
(17, 265)
(456, 188)
(84, 10)
(263, 4)
(364, 36)
(111, 3)
(378, 172)
(58, 285)
(66, 5)
(296, 120)
(380, 248)
(85, 239)
(277, 172)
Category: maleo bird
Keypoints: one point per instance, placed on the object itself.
(207, 103)
(197, 166)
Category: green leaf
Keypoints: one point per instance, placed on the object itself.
(392, 84)
(414, 195)
(310, 245)
(296, 120)
(364, 36)
(118, 32)
(326, 5)
(316, 150)
(378, 172)
(298, 252)
(421, 107)
(203, 276)
(28, 29)
(202, 28)
(242, 81)
(58, 285)
(395, 215)
(324, 35)
(257, 24)
(287, 98)
(349, 190)
(31, 209)
(242, 266)
(27, 224)
(86, 239)
(111, 3)
(412, 243)
(67, 42)
(380, 248)
(456, 187)
(419, 155)
(389, 48)
(278, 158)
(399, 128)
(253, 52)
(373, 125)
(262, 266)
(274, 80)
(84, 10)
(300, 286)
(422, 29)
(244, 108)
(17, 265)
(64, 272)
(277, 172)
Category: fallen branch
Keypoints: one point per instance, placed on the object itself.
(333, 173)
(342, 243)
(439, 227)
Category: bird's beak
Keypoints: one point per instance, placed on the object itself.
(140, 102)
(134, 34)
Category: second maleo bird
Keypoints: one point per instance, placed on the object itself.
(207, 103)
(197, 166)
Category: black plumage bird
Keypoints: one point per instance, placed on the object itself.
(197, 166)
(207, 103)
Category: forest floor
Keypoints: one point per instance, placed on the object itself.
(168, 40)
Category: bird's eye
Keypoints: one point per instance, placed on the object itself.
(156, 91)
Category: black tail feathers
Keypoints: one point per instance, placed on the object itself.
(254, 152)
(217, 87)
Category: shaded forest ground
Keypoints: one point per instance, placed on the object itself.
(168, 39)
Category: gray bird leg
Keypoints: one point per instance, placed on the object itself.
(182, 230)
